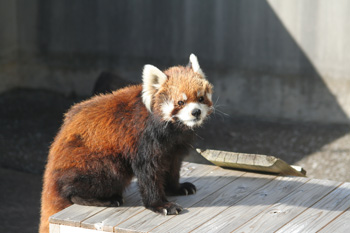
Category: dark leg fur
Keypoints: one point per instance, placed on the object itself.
(155, 178)
(115, 201)
(172, 185)
(157, 165)
(101, 187)
(150, 180)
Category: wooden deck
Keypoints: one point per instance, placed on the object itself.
(226, 201)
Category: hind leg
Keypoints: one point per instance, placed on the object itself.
(114, 201)
(90, 193)
(94, 188)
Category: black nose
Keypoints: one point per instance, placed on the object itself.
(196, 112)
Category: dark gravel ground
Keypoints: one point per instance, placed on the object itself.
(29, 120)
(20, 201)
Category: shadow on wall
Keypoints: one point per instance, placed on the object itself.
(267, 76)
(257, 68)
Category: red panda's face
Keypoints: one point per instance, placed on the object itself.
(185, 97)
(180, 94)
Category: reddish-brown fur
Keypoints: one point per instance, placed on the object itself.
(101, 139)
(97, 133)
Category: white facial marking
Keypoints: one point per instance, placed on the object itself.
(185, 114)
(199, 93)
(184, 96)
(167, 107)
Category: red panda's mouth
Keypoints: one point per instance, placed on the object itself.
(193, 122)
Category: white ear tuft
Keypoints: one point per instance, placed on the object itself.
(152, 79)
(195, 65)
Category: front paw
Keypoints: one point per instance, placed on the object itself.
(117, 201)
(168, 208)
(187, 189)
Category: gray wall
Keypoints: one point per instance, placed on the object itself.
(269, 59)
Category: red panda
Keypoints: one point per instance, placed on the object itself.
(141, 130)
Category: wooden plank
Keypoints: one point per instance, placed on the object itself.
(206, 185)
(313, 219)
(289, 207)
(54, 228)
(99, 222)
(215, 203)
(340, 224)
(111, 217)
(74, 215)
(252, 205)
(251, 162)
(70, 229)
(248, 203)
(192, 169)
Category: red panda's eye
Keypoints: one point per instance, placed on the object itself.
(201, 99)
(180, 103)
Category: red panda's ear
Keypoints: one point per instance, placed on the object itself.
(195, 65)
(152, 79)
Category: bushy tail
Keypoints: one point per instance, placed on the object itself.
(51, 203)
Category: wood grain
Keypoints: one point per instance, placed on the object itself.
(112, 217)
(206, 185)
(215, 203)
(74, 215)
(289, 207)
(251, 162)
(70, 229)
(322, 212)
(226, 201)
(54, 228)
(339, 224)
(252, 205)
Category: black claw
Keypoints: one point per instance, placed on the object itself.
(186, 192)
(118, 201)
(187, 188)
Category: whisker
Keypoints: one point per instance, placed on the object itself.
(222, 114)
(191, 145)
(225, 114)
(217, 99)
(199, 136)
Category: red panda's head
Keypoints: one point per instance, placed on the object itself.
(179, 94)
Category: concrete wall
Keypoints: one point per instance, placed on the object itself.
(8, 45)
(270, 59)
